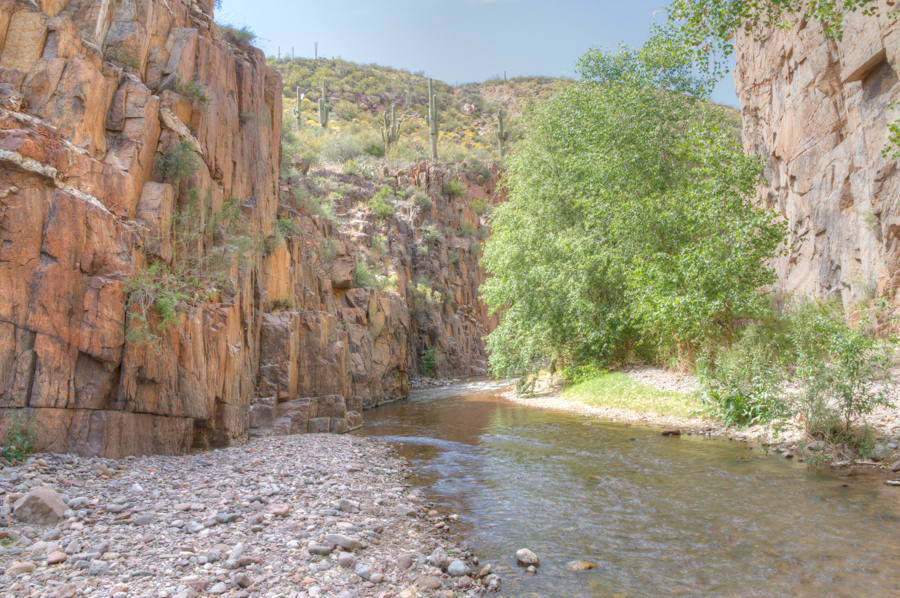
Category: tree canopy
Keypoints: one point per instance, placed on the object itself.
(630, 227)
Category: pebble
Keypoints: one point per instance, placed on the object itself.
(289, 517)
(580, 566)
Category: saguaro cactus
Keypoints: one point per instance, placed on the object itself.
(432, 119)
(408, 95)
(324, 108)
(390, 131)
(296, 111)
(502, 134)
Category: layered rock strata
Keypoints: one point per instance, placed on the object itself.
(94, 96)
(817, 110)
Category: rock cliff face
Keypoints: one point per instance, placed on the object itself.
(817, 110)
(93, 95)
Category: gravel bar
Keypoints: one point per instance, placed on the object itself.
(291, 517)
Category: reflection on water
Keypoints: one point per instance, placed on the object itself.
(659, 516)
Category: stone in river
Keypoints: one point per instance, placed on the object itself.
(896, 466)
(580, 565)
(525, 557)
(671, 432)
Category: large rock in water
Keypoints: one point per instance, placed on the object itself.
(41, 506)
(527, 558)
(817, 110)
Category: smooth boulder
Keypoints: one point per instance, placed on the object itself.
(526, 558)
(41, 506)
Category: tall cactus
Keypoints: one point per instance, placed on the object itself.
(432, 119)
(408, 95)
(502, 134)
(296, 111)
(390, 131)
(324, 108)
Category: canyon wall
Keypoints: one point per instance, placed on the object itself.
(817, 110)
(95, 95)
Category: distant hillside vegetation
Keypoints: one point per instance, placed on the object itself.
(359, 95)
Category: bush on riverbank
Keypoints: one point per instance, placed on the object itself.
(840, 371)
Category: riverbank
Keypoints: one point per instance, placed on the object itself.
(294, 516)
(651, 386)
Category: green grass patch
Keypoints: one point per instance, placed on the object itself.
(618, 390)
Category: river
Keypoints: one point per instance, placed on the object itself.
(658, 516)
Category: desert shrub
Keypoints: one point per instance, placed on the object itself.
(424, 295)
(375, 150)
(378, 244)
(382, 203)
(452, 256)
(423, 250)
(283, 304)
(179, 162)
(124, 57)
(241, 36)
(475, 248)
(420, 198)
(207, 246)
(428, 362)
(346, 110)
(321, 206)
(193, 90)
(466, 230)
(284, 228)
(480, 206)
(327, 251)
(454, 188)
(20, 438)
(364, 276)
(430, 232)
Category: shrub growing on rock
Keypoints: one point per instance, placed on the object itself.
(454, 188)
(179, 162)
(382, 203)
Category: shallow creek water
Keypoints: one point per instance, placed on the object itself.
(659, 516)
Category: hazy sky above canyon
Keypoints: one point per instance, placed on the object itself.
(456, 41)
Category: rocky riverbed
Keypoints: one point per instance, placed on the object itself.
(292, 517)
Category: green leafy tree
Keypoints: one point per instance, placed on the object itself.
(630, 226)
(708, 27)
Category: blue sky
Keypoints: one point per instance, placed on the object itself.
(456, 41)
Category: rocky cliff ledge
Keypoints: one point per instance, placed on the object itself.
(94, 95)
(817, 109)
